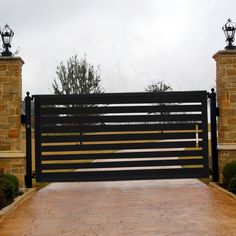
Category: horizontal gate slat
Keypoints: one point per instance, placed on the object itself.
(119, 137)
(113, 98)
(119, 109)
(125, 175)
(126, 155)
(113, 128)
(79, 147)
(122, 164)
(131, 118)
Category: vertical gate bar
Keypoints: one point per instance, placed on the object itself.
(197, 136)
(37, 133)
(28, 176)
(205, 133)
(214, 152)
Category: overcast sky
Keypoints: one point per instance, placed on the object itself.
(134, 42)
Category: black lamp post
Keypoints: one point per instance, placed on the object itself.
(6, 34)
(229, 30)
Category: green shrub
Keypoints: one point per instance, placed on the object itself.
(229, 171)
(232, 183)
(14, 180)
(3, 200)
(7, 187)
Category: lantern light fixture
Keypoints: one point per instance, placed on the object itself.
(229, 31)
(6, 35)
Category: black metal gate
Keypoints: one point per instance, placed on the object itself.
(121, 136)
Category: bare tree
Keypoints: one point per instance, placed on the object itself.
(157, 87)
(77, 76)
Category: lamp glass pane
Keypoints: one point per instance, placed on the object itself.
(230, 33)
(226, 34)
(233, 33)
(6, 39)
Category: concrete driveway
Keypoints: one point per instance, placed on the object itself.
(132, 208)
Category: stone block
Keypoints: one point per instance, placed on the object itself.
(10, 73)
(5, 147)
(13, 118)
(226, 104)
(13, 133)
(3, 67)
(231, 121)
(227, 112)
(4, 79)
(226, 60)
(10, 111)
(11, 88)
(3, 119)
(3, 132)
(227, 79)
(231, 72)
(12, 67)
(3, 126)
(2, 73)
(2, 108)
(8, 97)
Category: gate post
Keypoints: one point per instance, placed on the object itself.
(214, 152)
(28, 140)
(12, 159)
(226, 98)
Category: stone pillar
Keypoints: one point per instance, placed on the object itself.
(12, 160)
(226, 97)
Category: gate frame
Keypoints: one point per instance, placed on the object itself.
(213, 113)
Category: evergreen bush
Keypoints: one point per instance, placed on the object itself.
(7, 187)
(3, 200)
(232, 183)
(14, 180)
(229, 171)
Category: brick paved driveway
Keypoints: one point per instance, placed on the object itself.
(132, 208)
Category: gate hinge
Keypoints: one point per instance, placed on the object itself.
(217, 111)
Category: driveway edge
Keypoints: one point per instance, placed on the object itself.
(20, 199)
(222, 190)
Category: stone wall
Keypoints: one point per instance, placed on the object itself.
(14, 163)
(11, 158)
(226, 97)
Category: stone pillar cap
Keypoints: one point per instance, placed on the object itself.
(221, 53)
(19, 59)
